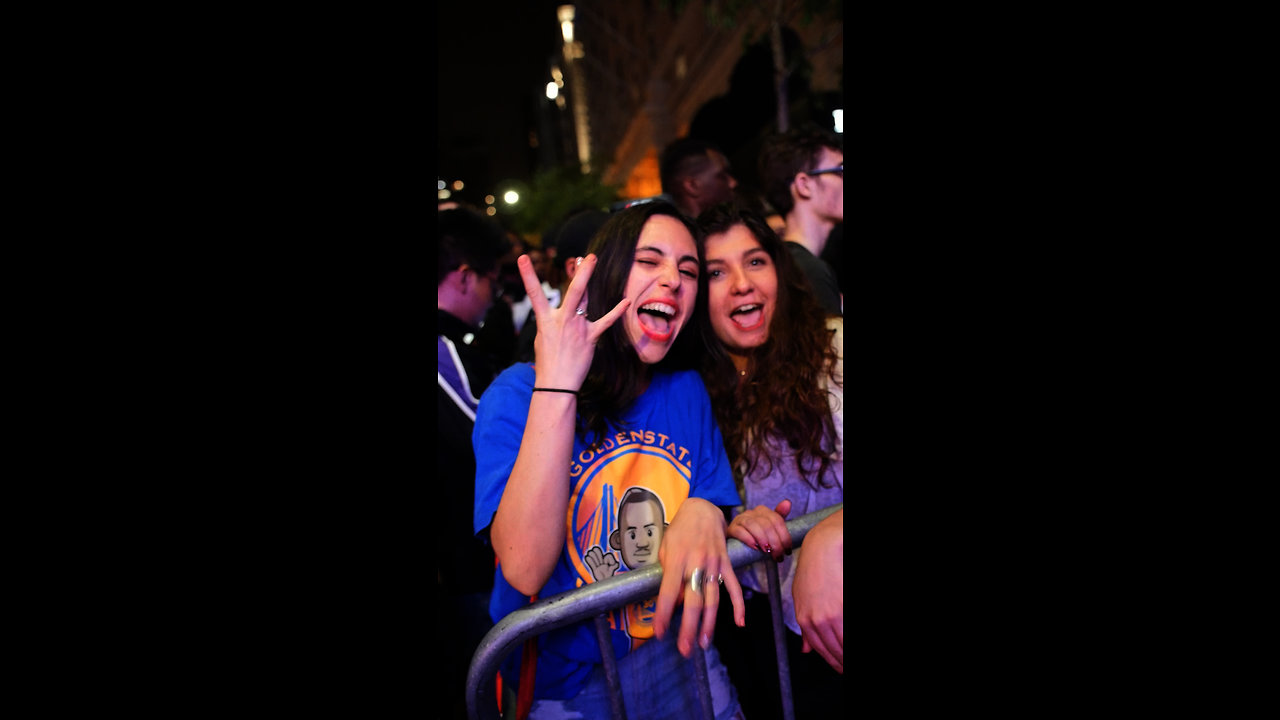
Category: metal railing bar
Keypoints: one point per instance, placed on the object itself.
(610, 668)
(780, 639)
(581, 603)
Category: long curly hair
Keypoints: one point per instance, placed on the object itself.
(617, 375)
(783, 394)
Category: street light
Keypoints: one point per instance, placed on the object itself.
(511, 196)
(573, 53)
(565, 13)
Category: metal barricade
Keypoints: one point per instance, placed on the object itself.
(595, 599)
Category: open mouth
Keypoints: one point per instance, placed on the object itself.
(748, 317)
(656, 320)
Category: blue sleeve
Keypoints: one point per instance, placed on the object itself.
(713, 481)
(500, 420)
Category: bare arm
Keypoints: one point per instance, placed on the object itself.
(528, 530)
(818, 590)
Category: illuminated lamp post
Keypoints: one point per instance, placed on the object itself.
(577, 86)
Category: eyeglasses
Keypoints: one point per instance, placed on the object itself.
(837, 170)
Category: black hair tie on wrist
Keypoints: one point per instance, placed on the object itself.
(571, 392)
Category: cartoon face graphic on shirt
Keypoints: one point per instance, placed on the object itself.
(616, 524)
(640, 527)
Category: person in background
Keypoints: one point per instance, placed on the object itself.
(774, 369)
(571, 242)
(802, 172)
(551, 235)
(833, 255)
(695, 175)
(468, 249)
(497, 334)
(523, 309)
(565, 440)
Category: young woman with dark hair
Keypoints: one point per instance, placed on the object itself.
(604, 413)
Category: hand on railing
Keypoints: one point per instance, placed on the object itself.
(764, 529)
(694, 557)
(595, 598)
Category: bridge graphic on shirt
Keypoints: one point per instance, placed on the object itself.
(593, 513)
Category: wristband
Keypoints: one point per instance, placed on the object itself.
(571, 392)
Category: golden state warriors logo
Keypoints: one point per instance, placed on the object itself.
(623, 496)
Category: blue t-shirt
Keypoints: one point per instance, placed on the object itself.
(668, 449)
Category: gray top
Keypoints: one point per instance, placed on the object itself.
(785, 482)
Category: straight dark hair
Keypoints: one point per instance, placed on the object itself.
(617, 375)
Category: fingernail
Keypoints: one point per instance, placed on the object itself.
(706, 641)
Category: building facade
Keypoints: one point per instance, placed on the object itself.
(637, 73)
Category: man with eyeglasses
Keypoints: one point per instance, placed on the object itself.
(469, 247)
(802, 172)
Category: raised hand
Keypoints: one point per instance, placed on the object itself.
(764, 529)
(566, 339)
(526, 534)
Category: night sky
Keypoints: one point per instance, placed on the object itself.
(492, 68)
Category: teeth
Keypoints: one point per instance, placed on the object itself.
(660, 307)
(745, 308)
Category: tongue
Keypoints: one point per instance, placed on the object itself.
(748, 319)
(657, 323)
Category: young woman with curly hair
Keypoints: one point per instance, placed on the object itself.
(774, 369)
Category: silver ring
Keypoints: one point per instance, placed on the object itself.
(695, 580)
(582, 311)
(720, 579)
